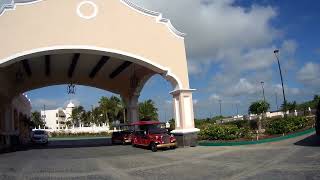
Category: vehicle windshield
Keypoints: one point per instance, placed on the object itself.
(156, 129)
(39, 132)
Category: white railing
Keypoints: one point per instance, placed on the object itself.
(93, 129)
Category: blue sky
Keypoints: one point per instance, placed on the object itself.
(230, 47)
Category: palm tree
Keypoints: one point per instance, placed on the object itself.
(259, 107)
(36, 119)
(148, 110)
(111, 108)
(78, 115)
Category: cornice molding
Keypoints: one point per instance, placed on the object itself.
(157, 15)
(11, 5)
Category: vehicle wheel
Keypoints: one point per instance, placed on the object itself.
(153, 147)
(173, 147)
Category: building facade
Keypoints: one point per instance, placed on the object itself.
(15, 124)
(56, 119)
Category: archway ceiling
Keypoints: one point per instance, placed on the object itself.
(98, 71)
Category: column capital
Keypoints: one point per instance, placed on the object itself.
(178, 91)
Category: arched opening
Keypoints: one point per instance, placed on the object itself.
(104, 70)
(96, 68)
(161, 98)
(115, 51)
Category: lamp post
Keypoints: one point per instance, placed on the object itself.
(220, 111)
(237, 109)
(262, 84)
(276, 53)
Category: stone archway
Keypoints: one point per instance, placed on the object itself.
(96, 43)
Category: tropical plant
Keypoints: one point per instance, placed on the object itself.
(289, 106)
(259, 107)
(36, 119)
(286, 125)
(223, 132)
(78, 115)
(148, 110)
(112, 108)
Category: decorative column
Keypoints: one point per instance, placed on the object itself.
(185, 131)
(132, 109)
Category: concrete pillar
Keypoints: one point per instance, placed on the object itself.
(132, 109)
(185, 131)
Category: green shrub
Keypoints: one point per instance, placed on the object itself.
(286, 125)
(223, 132)
(69, 134)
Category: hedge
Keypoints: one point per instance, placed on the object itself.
(223, 132)
(287, 125)
(69, 134)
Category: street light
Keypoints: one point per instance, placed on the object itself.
(276, 52)
(220, 110)
(264, 98)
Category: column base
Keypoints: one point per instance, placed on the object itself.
(187, 137)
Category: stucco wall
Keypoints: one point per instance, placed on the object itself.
(116, 28)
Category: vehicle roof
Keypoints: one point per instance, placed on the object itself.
(139, 123)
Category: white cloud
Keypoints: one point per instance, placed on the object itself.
(289, 46)
(215, 97)
(217, 30)
(243, 87)
(41, 102)
(309, 74)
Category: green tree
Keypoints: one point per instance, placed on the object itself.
(259, 107)
(148, 110)
(36, 119)
(112, 108)
(97, 116)
(78, 115)
(291, 106)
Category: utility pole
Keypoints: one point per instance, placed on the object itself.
(237, 109)
(262, 84)
(220, 111)
(276, 52)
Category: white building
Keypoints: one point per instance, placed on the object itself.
(56, 119)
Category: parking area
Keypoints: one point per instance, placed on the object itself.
(297, 158)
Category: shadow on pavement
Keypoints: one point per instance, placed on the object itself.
(312, 140)
(63, 144)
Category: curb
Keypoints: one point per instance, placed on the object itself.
(206, 143)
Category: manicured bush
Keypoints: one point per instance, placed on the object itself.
(69, 134)
(250, 124)
(223, 132)
(286, 125)
(203, 123)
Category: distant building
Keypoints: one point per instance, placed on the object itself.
(56, 119)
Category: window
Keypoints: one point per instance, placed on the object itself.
(56, 114)
(57, 122)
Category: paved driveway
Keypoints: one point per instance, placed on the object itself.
(297, 158)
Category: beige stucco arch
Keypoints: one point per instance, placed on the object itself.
(116, 30)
